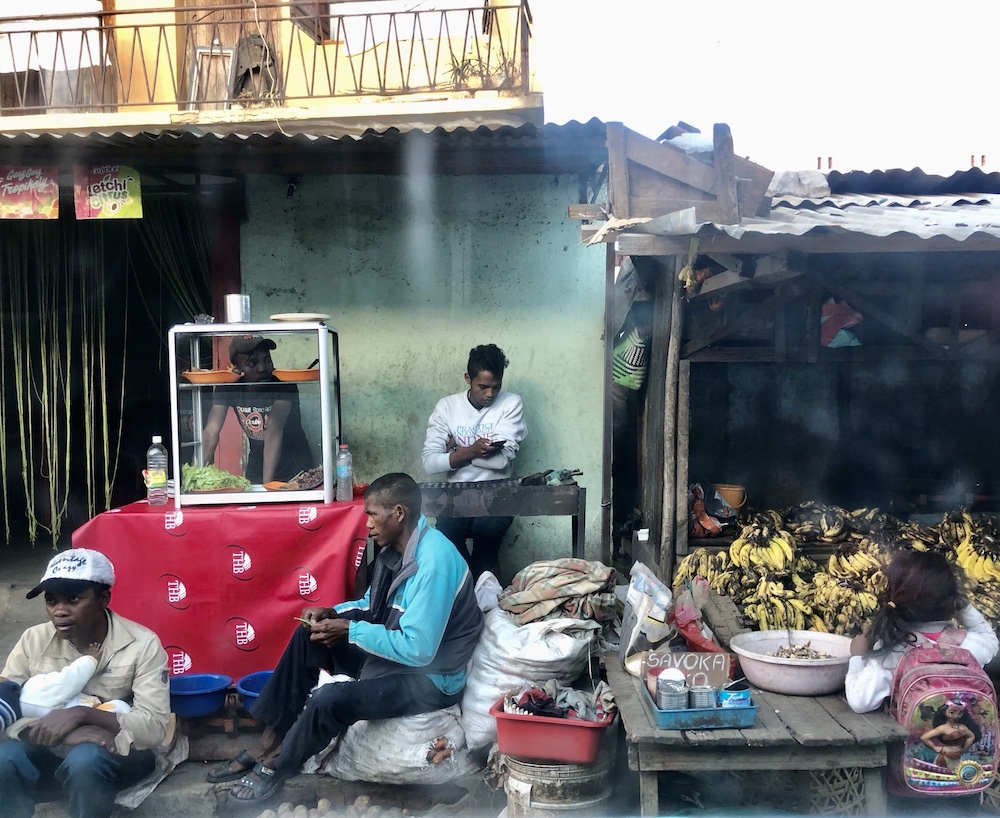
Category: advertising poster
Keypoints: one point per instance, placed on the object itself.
(107, 192)
(29, 192)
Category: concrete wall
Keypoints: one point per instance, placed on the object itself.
(416, 270)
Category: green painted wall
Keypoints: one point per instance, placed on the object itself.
(415, 270)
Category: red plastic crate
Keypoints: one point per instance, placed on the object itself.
(544, 738)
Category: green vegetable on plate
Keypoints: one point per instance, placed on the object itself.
(209, 478)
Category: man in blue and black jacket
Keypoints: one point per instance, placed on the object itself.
(407, 642)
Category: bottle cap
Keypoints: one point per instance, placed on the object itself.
(343, 445)
(157, 439)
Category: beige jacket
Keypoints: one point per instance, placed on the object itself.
(132, 667)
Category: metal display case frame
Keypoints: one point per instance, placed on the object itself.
(328, 386)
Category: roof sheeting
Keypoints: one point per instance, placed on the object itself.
(923, 217)
(527, 148)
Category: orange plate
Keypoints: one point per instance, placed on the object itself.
(293, 375)
(276, 485)
(210, 376)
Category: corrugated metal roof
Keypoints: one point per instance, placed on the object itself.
(925, 217)
(526, 148)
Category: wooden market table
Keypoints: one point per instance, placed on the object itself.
(819, 733)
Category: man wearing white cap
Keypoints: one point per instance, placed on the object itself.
(86, 752)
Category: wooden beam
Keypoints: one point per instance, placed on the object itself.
(619, 195)
(724, 282)
(871, 310)
(725, 174)
(707, 210)
(590, 212)
(676, 165)
(737, 322)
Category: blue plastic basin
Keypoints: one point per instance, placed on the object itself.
(198, 694)
(250, 686)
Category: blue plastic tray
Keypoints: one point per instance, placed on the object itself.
(707, 718)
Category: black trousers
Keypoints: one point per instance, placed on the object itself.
(486, 534)
(307, 723)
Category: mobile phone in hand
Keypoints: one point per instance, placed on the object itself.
(497, 444)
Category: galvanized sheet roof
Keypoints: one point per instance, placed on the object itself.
(528, 148)
(925, 217)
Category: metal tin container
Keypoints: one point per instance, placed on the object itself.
(237, 308)
(702, 697)
(671, 694)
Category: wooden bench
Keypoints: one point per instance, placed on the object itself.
(842, 752)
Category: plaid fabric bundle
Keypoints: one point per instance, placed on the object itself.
(574, 588)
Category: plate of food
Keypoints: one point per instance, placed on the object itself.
(303, 481)
(296, 375)
(210, 480)
(210, 376)
(300, 316)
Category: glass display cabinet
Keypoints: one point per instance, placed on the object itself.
(307, 368)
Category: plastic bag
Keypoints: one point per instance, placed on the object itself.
(645, 626)
(686, 617)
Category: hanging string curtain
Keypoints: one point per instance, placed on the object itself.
(174, 234)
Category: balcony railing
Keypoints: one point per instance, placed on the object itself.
(252, 55)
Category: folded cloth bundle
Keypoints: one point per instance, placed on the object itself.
(558, 701)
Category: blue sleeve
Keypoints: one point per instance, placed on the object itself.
(429, 599)
(354, 608)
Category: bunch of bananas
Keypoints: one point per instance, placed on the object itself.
(772, 606)
(701, 563)
(843, 604)
(815, 521)
(986, 599)
(763, 543)
(851, 561)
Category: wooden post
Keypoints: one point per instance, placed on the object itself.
(608, 429)
(668, 518)
(683, 450)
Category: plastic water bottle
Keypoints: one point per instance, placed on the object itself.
(345, 474)
(156, 473)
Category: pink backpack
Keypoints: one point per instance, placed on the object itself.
(944, 698)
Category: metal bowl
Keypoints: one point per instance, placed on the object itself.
(794, 677)
(198, 694)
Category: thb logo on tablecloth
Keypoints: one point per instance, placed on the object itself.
(241, 633)
(239, 562)
(306, 584)
(174, 591)
(178, 660)
(173, 523)
(308, 517)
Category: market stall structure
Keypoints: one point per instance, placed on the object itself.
(749, 384)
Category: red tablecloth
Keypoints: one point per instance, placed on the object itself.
(220, 584)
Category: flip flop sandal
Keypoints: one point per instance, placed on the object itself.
(223, 772)
(263, 782)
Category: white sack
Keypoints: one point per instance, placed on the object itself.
(510, 655)
(394, 751)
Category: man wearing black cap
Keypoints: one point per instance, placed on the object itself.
(86, 752)
(268, 414)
